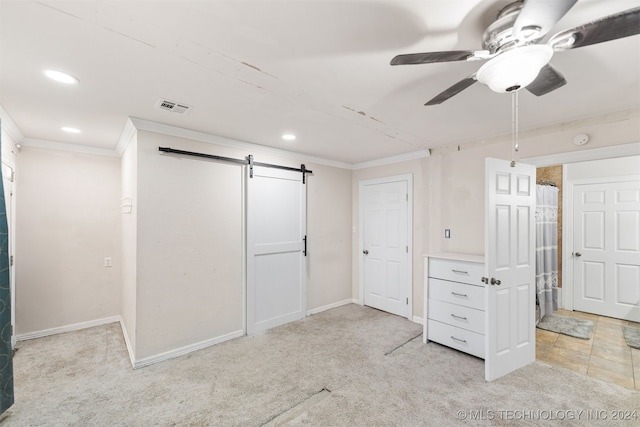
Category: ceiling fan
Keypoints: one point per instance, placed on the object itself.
(512, 46)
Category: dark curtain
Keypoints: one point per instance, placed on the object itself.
(6, 352)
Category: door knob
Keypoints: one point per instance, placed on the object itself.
(484, 280)
(578, 254)
(495, 281)
(366, 252)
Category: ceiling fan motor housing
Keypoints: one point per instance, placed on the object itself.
(499, 35)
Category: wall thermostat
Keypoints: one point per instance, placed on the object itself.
(581, 139)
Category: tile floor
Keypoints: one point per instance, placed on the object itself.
(605, 356)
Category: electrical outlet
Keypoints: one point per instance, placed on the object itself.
(447, 234)
(108, 262)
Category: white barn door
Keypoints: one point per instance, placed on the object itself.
(276, 264)
(510, 257)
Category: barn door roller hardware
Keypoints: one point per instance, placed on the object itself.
(248, 161)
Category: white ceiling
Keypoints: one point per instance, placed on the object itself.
(254, 69)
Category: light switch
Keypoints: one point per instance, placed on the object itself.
(447, 233)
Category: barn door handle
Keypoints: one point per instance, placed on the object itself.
(366, 252)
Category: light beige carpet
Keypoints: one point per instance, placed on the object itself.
(350, 366)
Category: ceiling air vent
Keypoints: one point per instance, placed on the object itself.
(172, 106)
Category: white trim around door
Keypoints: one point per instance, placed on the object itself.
(408, 274)
(568, 187)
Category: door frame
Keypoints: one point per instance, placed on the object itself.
(11, 228)
(408, 178)
(567, 231)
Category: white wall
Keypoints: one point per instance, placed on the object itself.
(189, 247)
(622, 166)
(190, 243)
(449, 185)
(329, 236)
(419, 169)
(67, 222)
(458, 176)
(129, 242)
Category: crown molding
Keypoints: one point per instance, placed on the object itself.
(127, 134)
(623, 150)
(10, 126)
(147, 125)
(392, 159)
(63, 146)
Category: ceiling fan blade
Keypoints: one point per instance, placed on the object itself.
(612, 27)
(547, 81)
(445, 56)
(453, 90)
(537, 17)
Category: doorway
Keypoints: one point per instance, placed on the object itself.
(386, 206)
(585, 167)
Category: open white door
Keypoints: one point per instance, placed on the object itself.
(510, 259)
(276, 265)
(386, 278)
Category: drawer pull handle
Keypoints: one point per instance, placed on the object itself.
(460, 271)
(458, 339)
(459, 295)
(458, 317)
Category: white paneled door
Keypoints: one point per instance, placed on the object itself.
(385, 245)
(276, 266)
(606, 249)
(510, 258)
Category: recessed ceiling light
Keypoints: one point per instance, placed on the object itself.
(288, 137)
(70, 129)
(61, 77)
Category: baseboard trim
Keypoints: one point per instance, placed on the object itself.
(329, 306)
(67, 328)
(417, 319)
(130, 351)
(185, 350)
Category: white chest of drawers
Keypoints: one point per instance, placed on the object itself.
(455, 301)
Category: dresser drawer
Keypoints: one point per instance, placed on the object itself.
(457, 315)
(457, 293)
(460, 339)
(457, 271)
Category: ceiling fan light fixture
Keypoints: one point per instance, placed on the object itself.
(514, 69)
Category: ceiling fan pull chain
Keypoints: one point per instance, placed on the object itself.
(515, 146)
